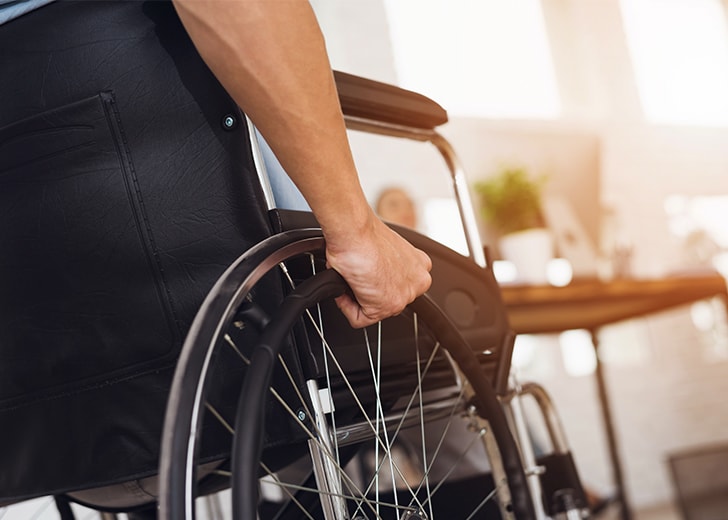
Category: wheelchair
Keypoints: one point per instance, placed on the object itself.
(328, 413)
(273, 396)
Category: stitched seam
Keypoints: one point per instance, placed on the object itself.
(110, 100)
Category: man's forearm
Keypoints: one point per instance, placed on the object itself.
(271, 58)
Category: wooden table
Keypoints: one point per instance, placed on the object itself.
(591, 304)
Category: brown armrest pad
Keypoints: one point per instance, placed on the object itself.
(373, 100)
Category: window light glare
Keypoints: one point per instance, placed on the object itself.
(679, 52)
(559, 272)
(442, 223)
(675, 204)
(525, 351)
(702, 315)
(577, 352)
(504, 271)
(720, 262)
(486, 58)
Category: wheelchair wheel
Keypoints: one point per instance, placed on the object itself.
(333, 423)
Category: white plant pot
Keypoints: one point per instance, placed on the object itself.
(530, 252)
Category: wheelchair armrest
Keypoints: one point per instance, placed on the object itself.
(373, 100)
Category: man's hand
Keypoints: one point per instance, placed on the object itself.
(384, 271)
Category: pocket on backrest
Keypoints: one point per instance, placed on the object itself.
(83, 300)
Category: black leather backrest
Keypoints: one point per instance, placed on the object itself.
(124, 198)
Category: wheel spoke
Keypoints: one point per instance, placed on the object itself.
(380, 423)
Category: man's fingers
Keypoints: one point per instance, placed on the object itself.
(351, 309)
(426, 260)
(358, 317)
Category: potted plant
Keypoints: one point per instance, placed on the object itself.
(510, 203)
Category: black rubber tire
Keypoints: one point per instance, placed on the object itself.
(183, 416)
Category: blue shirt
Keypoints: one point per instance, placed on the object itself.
(10, 9)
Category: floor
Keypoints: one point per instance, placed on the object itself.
(44, 509)
(661, 512)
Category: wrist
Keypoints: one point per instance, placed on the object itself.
(350, 225)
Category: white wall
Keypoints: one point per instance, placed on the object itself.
(671, 394)
(357, 37)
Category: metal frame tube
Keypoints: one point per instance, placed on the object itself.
(457, 173)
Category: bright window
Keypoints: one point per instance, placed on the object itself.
(487, 58)
(679, 51)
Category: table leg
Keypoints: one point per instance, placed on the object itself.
(626, 514)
